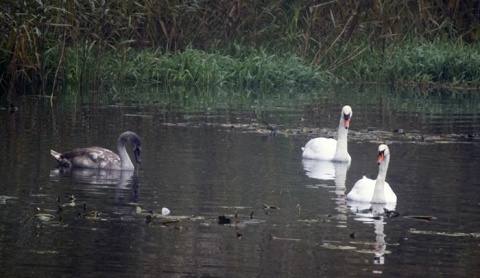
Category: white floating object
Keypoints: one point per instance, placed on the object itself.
(165, 211)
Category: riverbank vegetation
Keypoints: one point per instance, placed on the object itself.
(48, 45)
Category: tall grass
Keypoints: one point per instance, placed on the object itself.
(248, 67)
(44, 44)
(441, 62)
(437, 62)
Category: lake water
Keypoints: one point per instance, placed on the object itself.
(210, 155)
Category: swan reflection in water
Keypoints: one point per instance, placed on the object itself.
(329, 170)
(369, 213)
(120, 179)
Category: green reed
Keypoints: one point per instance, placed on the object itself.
(45, 45)
(444, 63)
(247, 66)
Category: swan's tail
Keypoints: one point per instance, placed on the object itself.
(63, 163)
(55, 154)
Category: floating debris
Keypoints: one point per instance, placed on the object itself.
(44, 251)
(267, 208)
(413, 231)
(92, 216)
(222, 220)
(337, 247)
(4, 199)
(272, 237)
(298, 209)
(390, 213)
(371, 251)
(165, 211)
(273, 129)
(371, 134)
(71, 202)
(164, 220)
(273, 207)
(239, 225)
(427, 218)
(139, 210)
(138, 115)
(234, 207)
(316, 186)
(308, 221)
(44, 217)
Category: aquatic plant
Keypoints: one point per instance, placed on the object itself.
(436, 62)
(248, 67)
(47, 45)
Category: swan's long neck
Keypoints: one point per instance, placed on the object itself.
(341, 153)
(379, 193)
(124, 157)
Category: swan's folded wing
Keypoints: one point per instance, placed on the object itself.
(320, 148)
(93, 157)
(362, 191)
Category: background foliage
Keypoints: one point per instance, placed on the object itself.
(46, 44)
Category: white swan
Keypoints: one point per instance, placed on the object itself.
(329, 148)
(375, 191)
(100, 158)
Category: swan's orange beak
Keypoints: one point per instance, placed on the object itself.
(346, 121)
(381, 155)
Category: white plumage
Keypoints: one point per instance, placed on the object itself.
(375, 191)
(329, 148)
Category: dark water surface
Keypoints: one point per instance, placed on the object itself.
(204, 159)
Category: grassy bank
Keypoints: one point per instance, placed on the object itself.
(246, 67)
(435, 64)
(46, 45)
(438, 64)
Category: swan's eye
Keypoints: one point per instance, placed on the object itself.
(346, 116)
